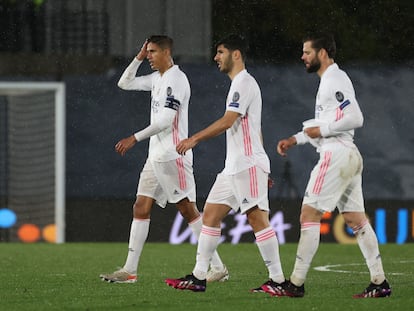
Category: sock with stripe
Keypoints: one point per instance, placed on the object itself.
(308, 245)
(207, 244)
(195, 227)
(268, 245)
(368, 243)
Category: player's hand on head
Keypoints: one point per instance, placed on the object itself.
(142, 54)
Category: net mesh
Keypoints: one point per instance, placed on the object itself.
(27, 157)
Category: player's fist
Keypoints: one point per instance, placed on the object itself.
(284, 144)
(125, 144)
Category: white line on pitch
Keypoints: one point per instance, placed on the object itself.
(332, 268)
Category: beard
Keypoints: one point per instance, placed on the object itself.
(227, 65)
(314, 66)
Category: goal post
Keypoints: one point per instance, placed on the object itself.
(32, 145)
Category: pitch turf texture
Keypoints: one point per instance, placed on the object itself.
(65, 277)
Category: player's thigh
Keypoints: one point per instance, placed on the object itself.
(328, 180)
(214, 213)
(149, 185)
(176, 179)
(251, 189)
(222, 192)
(352, 199)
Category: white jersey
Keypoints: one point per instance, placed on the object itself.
(169, 91)
(337, 109)
(244, 140)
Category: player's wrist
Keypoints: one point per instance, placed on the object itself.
(136, 136)
(292, 140)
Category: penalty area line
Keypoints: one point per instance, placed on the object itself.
(339, 268)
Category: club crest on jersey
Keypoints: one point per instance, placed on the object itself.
(169, 91)
(339, 96)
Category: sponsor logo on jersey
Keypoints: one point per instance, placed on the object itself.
(245, 201)
(154, 105)
(339, 96)
(169, 91)
(176, 192)
(235, 105)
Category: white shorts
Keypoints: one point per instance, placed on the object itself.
(242, 191)
(336, 180)
(169, 181)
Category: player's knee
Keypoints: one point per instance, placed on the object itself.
(188, 210)
(258, 219)
(354, 219)
(141, 211)
(310, 214)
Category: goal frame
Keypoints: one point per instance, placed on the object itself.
(11, 88)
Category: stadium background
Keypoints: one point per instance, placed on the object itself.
(87, 45)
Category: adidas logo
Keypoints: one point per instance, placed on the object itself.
(245, 201)
(176, 192)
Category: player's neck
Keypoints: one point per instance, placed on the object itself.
(237, 68)
(324, 66)
(164, 68)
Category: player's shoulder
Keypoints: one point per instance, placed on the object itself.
(244, 79)
(176, 73)
(177, 76)
(335, 77)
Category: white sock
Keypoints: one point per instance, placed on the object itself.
(137, 237)
(308, 245)
(207, 244)
(269, 249)
(195, 226)
(368, 243)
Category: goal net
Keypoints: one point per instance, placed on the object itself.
(32, 158)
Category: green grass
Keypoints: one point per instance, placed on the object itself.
(65, 277)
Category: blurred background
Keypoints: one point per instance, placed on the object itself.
(86, 44)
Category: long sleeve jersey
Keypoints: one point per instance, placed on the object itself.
(170, 97)
(336, 108)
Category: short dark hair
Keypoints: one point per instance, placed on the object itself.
(235, 42)
(164, 42)
(322, 40)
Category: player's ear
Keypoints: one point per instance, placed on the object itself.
(322, 53)
(236, 54)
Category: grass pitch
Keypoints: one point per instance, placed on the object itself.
(65, 277)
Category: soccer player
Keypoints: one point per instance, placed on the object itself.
(243, 184)
(336, 180)
(167, 176)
